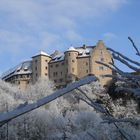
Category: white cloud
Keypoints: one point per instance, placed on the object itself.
(73, 36)
(109, 36)
(50, 20)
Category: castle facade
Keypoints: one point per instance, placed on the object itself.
(63, 68)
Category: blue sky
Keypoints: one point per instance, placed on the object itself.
(27, 26)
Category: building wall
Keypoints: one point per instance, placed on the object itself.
(40, 67)
(83, 66)
(71, 65)
(100, 53)
(58, 72)
(36, 68)
(21, 80)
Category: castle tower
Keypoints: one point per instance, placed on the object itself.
(71, 64)
(40, 65)
(100, 53)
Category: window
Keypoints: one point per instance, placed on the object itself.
(73, 61)
(69, 54)
(61, 80)
(35, 68)
(86, 63)
(36, 74)
(102, 59)
(46, 74)
(46, 60)
(101, 52)
(86, 71)
(54, 74)
(51, 66)
(35, 61)
(72, 69)
(56, 65)
(46, 68)
(101, 68)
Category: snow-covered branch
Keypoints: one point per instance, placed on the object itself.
(126, 63)
(124, 57)
(135, 47)
(128, 120)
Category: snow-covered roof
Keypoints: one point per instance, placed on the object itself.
(58, 57)
(71, 49)
(22, 68)
(41, 53)
(84, 52)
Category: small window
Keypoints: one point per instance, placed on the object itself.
(101, 52)
(86, 71)
(101, 68)
(54, 74)
(46, 68)
(61, 80)
(102, 59)
(73, 61)
(86, 63)
(46, 60)
(51, 66)
(56, 65)
(69, 54)
(36, 74)
(35, 68)
(35, 61)
(87, 53)
(46, 74)
(72, 69)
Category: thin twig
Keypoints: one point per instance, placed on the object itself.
(135, 47)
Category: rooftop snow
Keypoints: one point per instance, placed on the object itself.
(82, 52)
(22, 68)
(58, 57)
(71, 49)
(41, 53)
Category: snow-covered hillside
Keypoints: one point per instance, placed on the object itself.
(85, 114)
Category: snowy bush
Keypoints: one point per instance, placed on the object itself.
(85, 113)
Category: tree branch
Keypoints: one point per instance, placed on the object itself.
(135, 47)
(124, 57)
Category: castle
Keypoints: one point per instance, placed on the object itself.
(62, 68)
